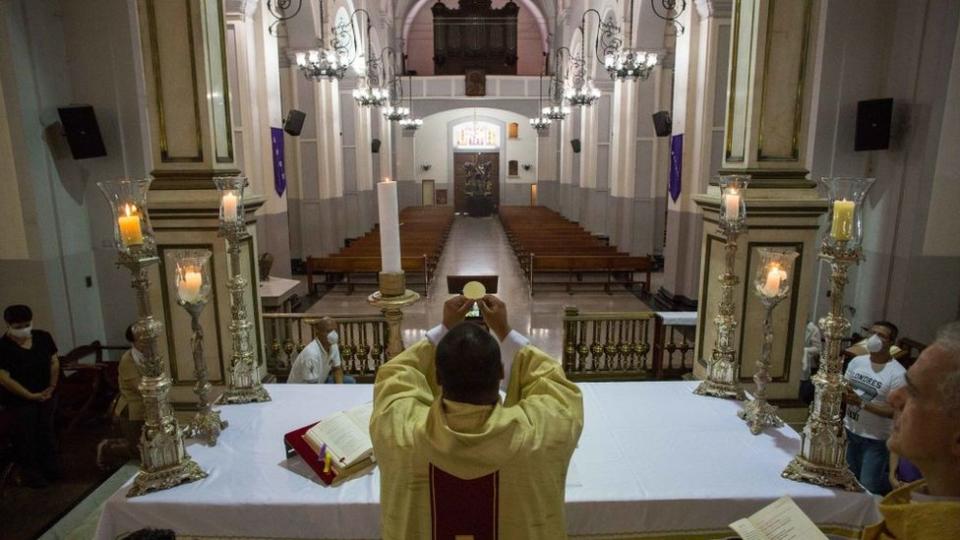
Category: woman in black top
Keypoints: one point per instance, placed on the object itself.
(29, 370)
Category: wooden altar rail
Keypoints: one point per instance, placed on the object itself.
(363, 340)
(597, 346)
(624, 346)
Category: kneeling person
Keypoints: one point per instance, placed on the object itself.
(319, 361)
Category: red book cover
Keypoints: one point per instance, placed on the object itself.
(296, 446)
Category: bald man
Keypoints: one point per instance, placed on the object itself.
(926, 431)
(319, 362)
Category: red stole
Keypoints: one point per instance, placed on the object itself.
(464, 509)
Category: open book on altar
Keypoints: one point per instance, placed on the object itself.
(337, 447)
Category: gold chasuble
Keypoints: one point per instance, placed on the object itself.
(907, 516)
(455, 471)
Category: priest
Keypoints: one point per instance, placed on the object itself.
(456, 458)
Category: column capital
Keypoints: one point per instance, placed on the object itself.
(244, 8)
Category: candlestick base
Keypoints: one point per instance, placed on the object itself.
(205, 426)
(239, 396)
(759, 415)
(183, 472)
(721, 390)
(802, 470)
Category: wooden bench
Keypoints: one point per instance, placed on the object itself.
(423, 233)
(547, 244)
(613, 267)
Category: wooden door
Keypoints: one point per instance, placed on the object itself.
(460, 177)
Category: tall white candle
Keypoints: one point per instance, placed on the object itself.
(389, 226)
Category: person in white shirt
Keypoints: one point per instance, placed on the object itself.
(319, 362)
(870, 380)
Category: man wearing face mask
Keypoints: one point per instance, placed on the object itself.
(870, 380)
(319, 361)
(128, 410)
(29, 370)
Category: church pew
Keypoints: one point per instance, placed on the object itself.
(577, 265)
(352, 267)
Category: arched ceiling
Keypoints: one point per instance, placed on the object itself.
(542, 10)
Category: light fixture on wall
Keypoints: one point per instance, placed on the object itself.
(670, 11)
(541, 122)
(527, 166)
(625, 62)
(426, 167)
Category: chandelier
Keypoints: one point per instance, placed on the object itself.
(583, 95)
(365, 96)
(410, 123)
(630, 64)
(540, 123)
(623, 62)
(555, 112)
(331, 62)
(395, 113)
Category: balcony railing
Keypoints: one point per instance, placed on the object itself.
(363, 342)
(624, 346)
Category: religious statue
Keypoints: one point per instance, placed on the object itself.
(479, 187)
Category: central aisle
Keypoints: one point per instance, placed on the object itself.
(478, 246)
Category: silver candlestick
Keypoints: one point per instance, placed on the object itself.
(723, 367)
(243, 383)
(193, 293)
(823, 441)
(164, 462)
(772, 286)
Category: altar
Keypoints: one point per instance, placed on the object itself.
(654, 460)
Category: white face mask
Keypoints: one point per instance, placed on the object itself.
(21, 333)
(874, 344)
(333, 337)
(138, 357)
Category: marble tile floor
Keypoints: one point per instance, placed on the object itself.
(478, 246)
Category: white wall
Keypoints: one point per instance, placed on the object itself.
(432, 145)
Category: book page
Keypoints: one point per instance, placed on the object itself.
(781, 520)
(361, 416)
(343, 438)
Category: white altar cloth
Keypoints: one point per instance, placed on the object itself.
(653, 459)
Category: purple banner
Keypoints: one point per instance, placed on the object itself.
(676, 165)
(279, 174)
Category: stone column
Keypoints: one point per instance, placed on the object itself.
(191, 140)
(623, 160)
(702, 58)
(765, 135)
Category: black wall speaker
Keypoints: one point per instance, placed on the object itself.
(662, 123)
(294, 122)
(873, 124)
(575, 143)
(375, 146)
(83, 133)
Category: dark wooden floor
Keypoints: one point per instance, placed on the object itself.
(26, 513)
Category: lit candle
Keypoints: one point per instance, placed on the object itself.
(189, 287)
(775, 276)
(130, 232)
(229, 206)
(842, 228)
(389, 226)
(732, 205)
